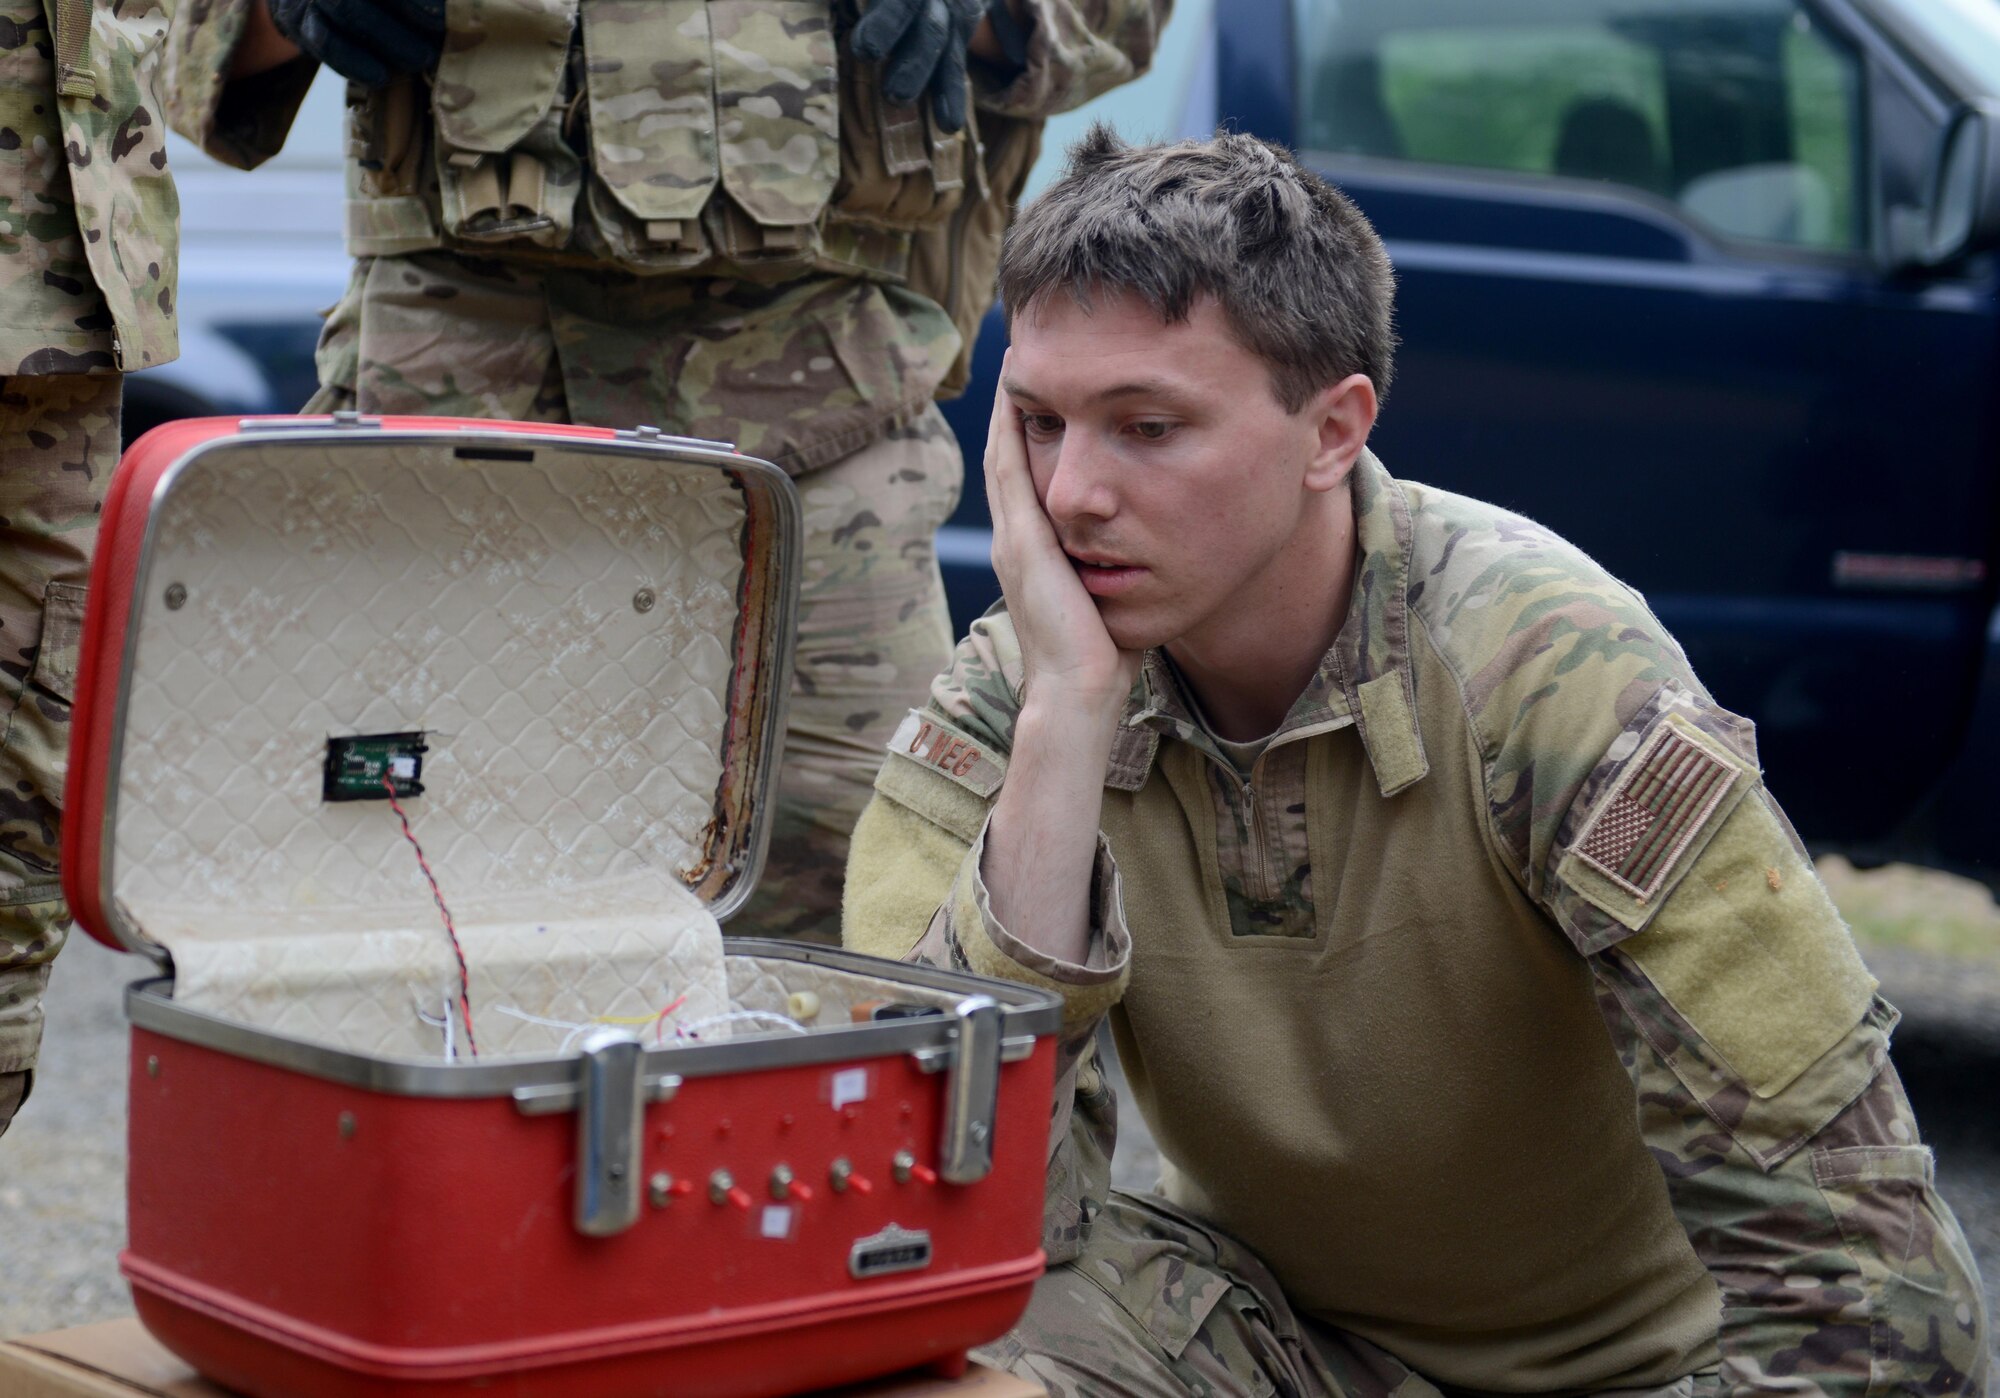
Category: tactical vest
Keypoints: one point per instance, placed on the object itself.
(735, 138)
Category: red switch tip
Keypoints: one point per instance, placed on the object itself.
(860, 1184)
(739, 1198)
(681, 1187)
(923, 1174)
(802, 1192)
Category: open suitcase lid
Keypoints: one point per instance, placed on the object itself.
(588, 632)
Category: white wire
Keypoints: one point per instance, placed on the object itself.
(444, 1023)
(745, 1016)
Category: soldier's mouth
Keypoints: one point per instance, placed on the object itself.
(1106, 577)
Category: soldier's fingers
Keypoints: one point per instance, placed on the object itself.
(948, 84)
(1004, 423)
(1010, 486)
(908, 71)
(877, 31)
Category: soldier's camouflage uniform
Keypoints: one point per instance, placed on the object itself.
(697, 214)
(88, 223)
(1495, 1029)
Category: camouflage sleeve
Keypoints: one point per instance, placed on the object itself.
(1629, 806)
(242, 122)
(1077, 49)
(1759, 1058)
(914, 890)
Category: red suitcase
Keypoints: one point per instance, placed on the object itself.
(677, 1165)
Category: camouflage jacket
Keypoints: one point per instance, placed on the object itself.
(88, 217)
(719, 144)
(1503, 819)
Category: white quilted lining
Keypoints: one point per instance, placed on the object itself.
(575, 740)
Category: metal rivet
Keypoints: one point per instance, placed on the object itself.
(177, 597)
(643, 600)
(152, 1065)
(660, 1190)
(347, 1126)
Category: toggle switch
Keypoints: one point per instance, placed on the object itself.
(662, 1189)
(840, 1175)
(905, 1168)
(786, 1185)
(722, 1189)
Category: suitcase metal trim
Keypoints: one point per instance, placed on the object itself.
(1028, 1013)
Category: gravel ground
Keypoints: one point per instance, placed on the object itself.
(62, 1198)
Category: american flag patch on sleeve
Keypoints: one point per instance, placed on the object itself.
(1661, 803)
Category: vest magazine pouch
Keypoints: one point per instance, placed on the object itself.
(651, 81)
(777, 100)
(504, 173)
(904, 173)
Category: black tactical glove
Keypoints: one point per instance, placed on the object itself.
(924, 44)
(369, 41)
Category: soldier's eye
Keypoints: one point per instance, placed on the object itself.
(1042, 424)
(1151, 430)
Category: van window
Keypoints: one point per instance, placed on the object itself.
(1745, 113)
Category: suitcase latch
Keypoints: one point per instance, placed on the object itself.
(971, 1063)
(609, 1097)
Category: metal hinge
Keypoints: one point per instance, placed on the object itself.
(345, 418)
(654, 434)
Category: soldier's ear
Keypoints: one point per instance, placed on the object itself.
(1341, 416)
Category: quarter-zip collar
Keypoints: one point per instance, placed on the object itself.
(1365, 678)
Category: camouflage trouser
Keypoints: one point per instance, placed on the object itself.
(1159, 1305)
(441, 335)
(58, 443)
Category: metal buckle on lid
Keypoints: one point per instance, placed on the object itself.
(972, 1090)
(609, 1096)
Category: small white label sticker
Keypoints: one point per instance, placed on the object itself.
(850, 1085)
(777, 1222)
(403, 768)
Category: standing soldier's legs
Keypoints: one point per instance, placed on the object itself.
(873, 632)
(424, 335)
(58, 444)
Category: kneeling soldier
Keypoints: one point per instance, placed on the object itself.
(1495, 1030)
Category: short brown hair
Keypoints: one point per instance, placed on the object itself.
(1298, 271)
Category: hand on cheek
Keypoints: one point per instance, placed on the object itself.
(1066, 650)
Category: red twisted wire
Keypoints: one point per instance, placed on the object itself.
(464, 977)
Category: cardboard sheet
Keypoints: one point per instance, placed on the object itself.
(118, 1359)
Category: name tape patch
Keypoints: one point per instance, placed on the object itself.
(1660, 804)
(930, 743)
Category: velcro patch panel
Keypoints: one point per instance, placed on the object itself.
(930, 742)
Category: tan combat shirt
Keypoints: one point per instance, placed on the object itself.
(1499, 1009)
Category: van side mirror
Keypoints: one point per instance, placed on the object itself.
(1964, 204)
